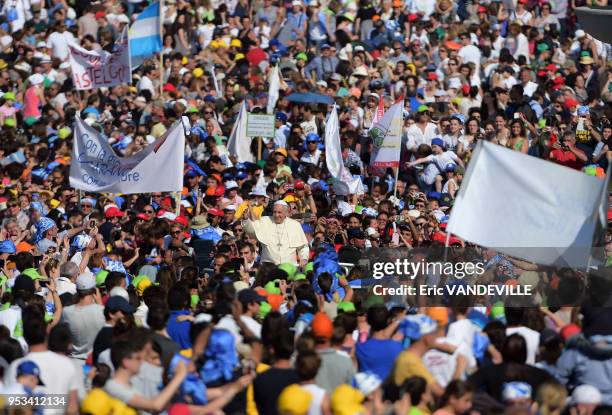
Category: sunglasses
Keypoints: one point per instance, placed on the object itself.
(87, 206)
(148, 211)
(12, 205)
(176, 232)
(208, 112)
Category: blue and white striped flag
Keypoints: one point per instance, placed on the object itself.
(145, 35)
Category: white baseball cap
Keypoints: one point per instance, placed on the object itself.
(85, 282)
(586, 394)
(231, 184)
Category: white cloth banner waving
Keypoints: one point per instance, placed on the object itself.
(343, 182)
(527, 207)
(387, 137)
(96, 167)
(239, 143)
(96, 69)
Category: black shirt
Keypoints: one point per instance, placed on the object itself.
(268, 386)
(491, 379)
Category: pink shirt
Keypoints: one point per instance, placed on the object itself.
(32, 103)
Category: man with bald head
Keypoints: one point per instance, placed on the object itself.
(282, 238)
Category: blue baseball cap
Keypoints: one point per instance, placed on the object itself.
(307, 228)
(7, 247)
(191, 173)
(241, 175)
(281, 116)
(434, 195)
(28, 367)
(450, 167)
(437, 142)
(459, 117)
(313, 138)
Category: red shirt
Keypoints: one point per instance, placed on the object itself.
(256, 55)
(566, 158)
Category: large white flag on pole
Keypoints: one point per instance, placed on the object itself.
(239, 143)
(333, 150)
(527, 207)
(95, 167)
(343, 181)
(273, 89)
(387, 137)
(97, 69)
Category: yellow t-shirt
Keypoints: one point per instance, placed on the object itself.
(251, 408)
(409, 364)
(257, 210)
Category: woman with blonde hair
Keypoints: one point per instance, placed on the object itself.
(551, 398)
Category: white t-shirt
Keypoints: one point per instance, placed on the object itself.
(58, 42)
(146, 83)
(318, 394)
(10, 317)
(470, 53)
(532, 338)
(416, 136)
(437, 165)
(56, 371)
(252, 325)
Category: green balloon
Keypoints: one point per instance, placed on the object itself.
(289, 268)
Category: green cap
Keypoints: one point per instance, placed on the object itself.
(271, 287)
(289, 268)
(9, 95)
(342, 92)
(136, 280)
(33, 273)
(30, 121)
(346, 306)
(264, 309)
(585, 53)
(309, 267)
(10, 122)
(373, 300)
(542, 123)
(101, 278)
(301, 56)
(63, 133)
(195, 299)
(497, 311)
(542, 47)
(192, 110)
(423, 108)
(261, 163)
(297, 277)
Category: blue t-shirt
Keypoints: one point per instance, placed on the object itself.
(377, 356)
(179, 331)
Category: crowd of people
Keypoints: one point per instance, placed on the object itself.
(251, 291)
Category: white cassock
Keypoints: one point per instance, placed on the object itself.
(280, 243)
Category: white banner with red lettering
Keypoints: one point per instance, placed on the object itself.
(97, 69)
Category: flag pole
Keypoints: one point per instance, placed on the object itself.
(395, 183)
(161, 52)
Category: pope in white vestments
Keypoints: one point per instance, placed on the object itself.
(282, 239)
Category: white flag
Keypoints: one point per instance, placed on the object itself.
(387, 138)
(97, 69)
(527, 207)
(239, 143)
(333, 150)
(96, 168)
(273, 89)
(342, 180)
